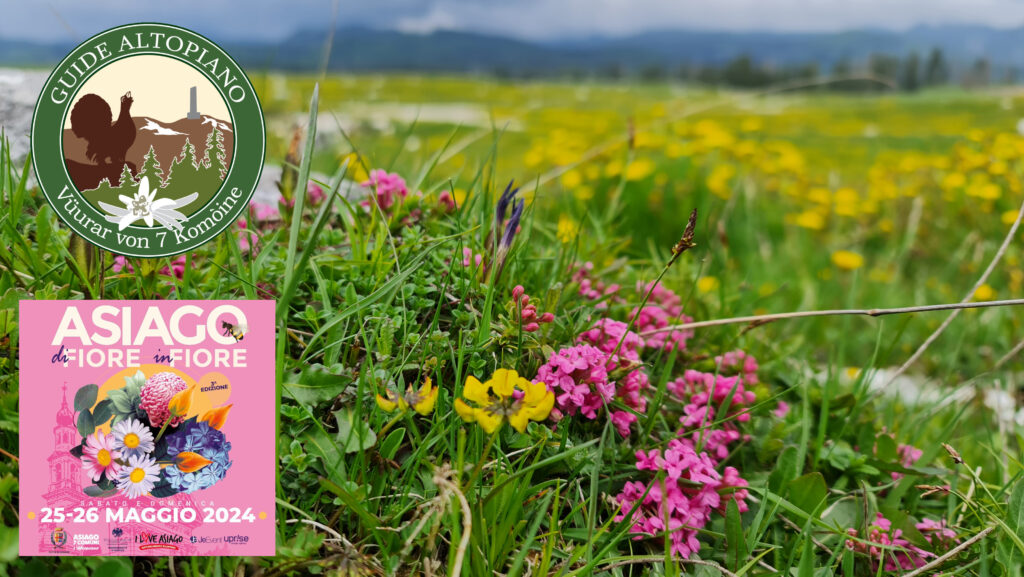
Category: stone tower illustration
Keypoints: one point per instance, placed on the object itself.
(193, 111)
(65, 470)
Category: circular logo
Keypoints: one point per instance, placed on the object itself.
(148, 140)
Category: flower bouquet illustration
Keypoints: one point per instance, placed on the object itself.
(152, 447)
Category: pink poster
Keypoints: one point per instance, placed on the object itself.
(147, 428)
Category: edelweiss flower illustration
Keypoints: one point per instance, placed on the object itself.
(144, 206)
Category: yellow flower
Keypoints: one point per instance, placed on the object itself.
(572, 179)
(847, 260)
(421, 401)
(506, 396)
(216, 417)
(984, 293)
(810, 219)
(181, 402)
(190, 462)
(706, 284)
(567, 228)
(639, 169)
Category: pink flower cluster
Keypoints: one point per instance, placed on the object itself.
(579, 378)
(663, 308)
(738, 363)
(704, 394)
(896, 553)
(691, 489)
(389, 188)
(527, 313)
(606, 335)
(592, 289)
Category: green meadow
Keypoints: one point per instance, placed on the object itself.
(804, 446)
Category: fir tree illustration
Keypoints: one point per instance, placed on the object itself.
(184, 177)
(126, 180)
(214, 163)
(151, 168)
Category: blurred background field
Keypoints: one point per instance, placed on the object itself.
(817, 198)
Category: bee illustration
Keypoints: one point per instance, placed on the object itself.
(237, 331)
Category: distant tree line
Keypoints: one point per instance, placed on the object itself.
(878, 73)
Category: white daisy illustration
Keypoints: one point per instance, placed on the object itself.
(138, 477)
(148, 208)
(132, 438)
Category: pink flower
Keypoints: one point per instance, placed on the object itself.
(690, 491)
(527, 313)
(468, 259)
(908, 455)
(937, 533)
(99, 457)
(388, 188)
(782, 410)
(703, 395)
(579, 378)
(264, 212)
(606, 334)
(591, 289)
(663, 308)
(177, 268)
(896, 554)
(156, 395)
(447, 201)
(622, 420)
(121, 263)
(315, 192)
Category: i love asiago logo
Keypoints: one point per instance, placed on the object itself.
(148, 140)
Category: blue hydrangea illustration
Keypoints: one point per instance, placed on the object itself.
(203, 439)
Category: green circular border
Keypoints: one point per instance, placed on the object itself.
(243, 174)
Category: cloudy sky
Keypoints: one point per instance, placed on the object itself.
(47, 20)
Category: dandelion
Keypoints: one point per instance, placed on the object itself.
(138, 477)
(505, 397)
(99, 456)
(847, 260)
(984, 293)
(422, 401)
(132, 438)
(707, 284)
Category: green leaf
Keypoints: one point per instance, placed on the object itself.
(353, 435)
(886, 448)
(316, 385)
(85, 424)
(113, 568)
(102, 412)
(808, 492)
(389, 447)
(85, 397)
(94, 491)
(786, 469)
(133, 384)
(736, 552)
(163, 490)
